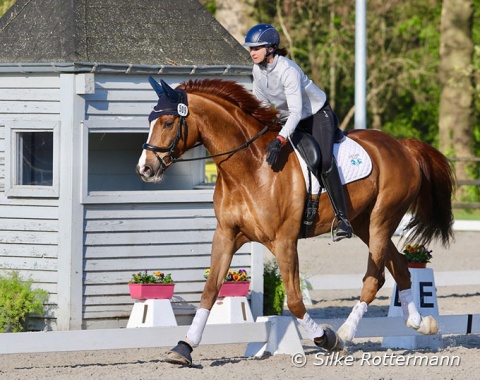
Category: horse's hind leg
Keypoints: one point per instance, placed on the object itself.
(396, 263)
(372, 281)
(384, 253)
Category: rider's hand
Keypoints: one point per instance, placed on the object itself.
(273, 150)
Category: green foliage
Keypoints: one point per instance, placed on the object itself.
(470, 193)
(474, 191)
(210, 5)
(476, 76)
(5, 5)
(466, 214)
(18, 301)
(273, 290)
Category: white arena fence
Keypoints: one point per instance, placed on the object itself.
(277, 335)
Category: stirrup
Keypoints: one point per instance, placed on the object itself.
(346, 235)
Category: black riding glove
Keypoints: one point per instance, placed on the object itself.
(273, 150)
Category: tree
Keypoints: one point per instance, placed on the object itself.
(402, 43)
(235, 16)
(455, 73)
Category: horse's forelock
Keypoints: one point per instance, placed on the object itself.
(236, 94)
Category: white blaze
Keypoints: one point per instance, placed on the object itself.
(143, 158)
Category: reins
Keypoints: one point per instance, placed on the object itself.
(243, 146)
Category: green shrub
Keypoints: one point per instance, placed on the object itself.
(18, 301)
(273, 289)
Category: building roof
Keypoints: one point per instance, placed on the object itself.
(80, 34)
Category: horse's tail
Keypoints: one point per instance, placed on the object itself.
(432, 216)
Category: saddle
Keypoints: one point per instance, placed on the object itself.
(308, 148)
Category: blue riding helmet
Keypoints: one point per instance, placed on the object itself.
(262, 35)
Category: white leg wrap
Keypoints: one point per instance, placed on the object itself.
(195, 332)
(349, 328)
(312, 329)
(411, 316)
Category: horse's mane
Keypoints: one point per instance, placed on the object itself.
(235, 94)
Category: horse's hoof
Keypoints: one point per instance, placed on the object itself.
(428, 326)
(180, 354)
(331, 341)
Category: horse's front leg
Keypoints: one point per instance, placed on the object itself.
(223, 249)
(287, 257)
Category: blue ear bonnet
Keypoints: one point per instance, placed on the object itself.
(167, 107)
(170, 101)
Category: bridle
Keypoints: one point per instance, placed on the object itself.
(182, 128)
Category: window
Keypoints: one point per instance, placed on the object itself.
(33, 159)
(35, 163)
(113, 156)
(113, 148)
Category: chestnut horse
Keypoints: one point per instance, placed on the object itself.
(254, 202)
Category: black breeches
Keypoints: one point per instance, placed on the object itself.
(323, 127)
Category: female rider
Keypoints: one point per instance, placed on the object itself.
(280, 82)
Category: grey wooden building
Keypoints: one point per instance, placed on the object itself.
(74, 101)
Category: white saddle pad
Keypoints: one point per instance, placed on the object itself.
(353, 162)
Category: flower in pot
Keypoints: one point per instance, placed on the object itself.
(237, 283)
(417, 255)
(151, 286)
(155, 278)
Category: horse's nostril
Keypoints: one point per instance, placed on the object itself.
(144, 171)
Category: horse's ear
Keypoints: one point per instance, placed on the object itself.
(170, 92)
(156, 86)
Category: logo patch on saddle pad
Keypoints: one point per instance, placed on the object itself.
(353, 161)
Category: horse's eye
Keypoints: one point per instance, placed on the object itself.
(168, 125)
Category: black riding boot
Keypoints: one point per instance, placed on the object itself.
(333, 186)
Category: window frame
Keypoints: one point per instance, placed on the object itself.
(12, 189)
(197, 194)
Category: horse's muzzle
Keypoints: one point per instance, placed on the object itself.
(147, 173)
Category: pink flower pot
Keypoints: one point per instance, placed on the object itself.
(417, 265)
(234, 289)
(151, 291)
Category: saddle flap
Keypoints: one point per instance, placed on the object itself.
(308, 149)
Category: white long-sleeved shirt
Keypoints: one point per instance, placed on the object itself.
(284, 85)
